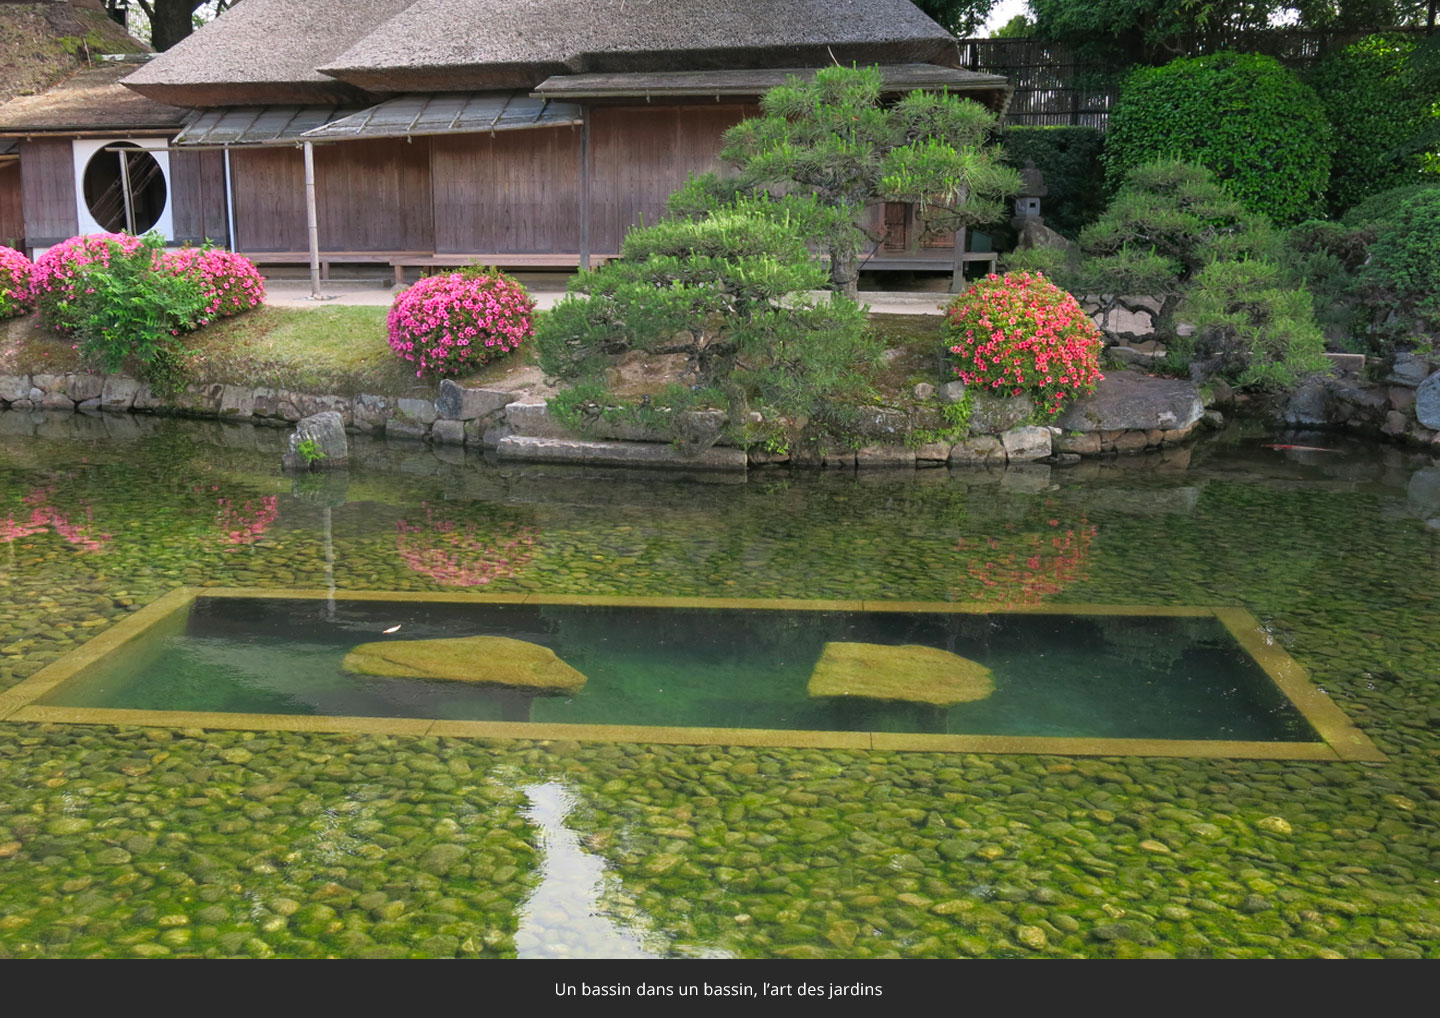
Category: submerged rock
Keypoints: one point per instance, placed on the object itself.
(909, 672)
(493, 660)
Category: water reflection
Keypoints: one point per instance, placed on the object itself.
(456, 554)
(578, 910)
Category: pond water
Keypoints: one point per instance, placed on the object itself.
(139, 841)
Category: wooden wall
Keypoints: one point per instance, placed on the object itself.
(197, 193)
(370, 196)
(643, 153)
(47, 177)
(512, 192)
(12, 206)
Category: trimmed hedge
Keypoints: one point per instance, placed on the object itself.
(1376, 102)
(1405, 260)
(1385, 206)
(1074, 175)
(1242, 115)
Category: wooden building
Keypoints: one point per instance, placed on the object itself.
(524, 133)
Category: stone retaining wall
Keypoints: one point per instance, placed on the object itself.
(1149, 414)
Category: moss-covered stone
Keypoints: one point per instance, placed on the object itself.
(908, 672)
(493, 660)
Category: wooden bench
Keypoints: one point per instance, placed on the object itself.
(939, 264)
(499, 261)
(328, 257)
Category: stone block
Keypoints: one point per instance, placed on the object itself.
(1026, 443)
(420, 411)
(237, 402)
(117, 394)
(933, 452)
(457, 403)
(14, 387)
(627, 454)
(83, 385)
(873, 457)
(448, 432)
(1082, 443)
(993, 415)
(372, 412)
(982, 450)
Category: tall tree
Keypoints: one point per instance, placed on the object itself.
(960, 17)
(834, 138)
(173, 20)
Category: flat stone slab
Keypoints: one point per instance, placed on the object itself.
(1126, 401)
(617, 454)
(488, 660)
(908, 672)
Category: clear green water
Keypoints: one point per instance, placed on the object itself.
(135, 842)
(1055, 675)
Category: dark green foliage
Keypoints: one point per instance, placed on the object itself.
(1252, 327)
(1404, 263)
(1070, 158)
(1385, 206)
(831, 137)
(1325, 257)
(1244, 116)
(730, 292)
(960, 17)
(1167, 222)
(132, 311)
(1377, 100)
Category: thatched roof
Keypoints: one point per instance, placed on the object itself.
(301, 51)
(41, 43)
(91, 100)
(265, 51)
(522, 42)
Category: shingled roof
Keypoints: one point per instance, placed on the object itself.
(42, 43)
(90, 100)
(306, 51)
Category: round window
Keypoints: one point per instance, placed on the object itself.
(124, 188)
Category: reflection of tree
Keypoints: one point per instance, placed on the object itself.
(1019, 569)
(466, 554)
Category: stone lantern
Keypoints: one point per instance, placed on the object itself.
(1032, 189)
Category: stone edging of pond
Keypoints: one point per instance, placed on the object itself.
(1129, 412)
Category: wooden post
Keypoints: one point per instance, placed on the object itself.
(957, 279)
(584, 188)
(125, 196)
(229, 201)
(312, 221)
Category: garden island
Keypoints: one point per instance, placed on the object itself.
(621, 480)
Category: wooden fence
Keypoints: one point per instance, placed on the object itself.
(1054, 86)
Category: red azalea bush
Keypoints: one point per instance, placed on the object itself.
(229, 282)
(1021, 334)
(449, 324)
(15, 271)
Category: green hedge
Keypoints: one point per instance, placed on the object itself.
(1376, 102)
(1242, 115)
(1074, 175)
(1385, 206)
(1405, 260)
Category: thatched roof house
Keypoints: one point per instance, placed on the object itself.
(523, 132)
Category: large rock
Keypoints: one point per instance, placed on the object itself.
(1427, 402)
(328, 447)
(457, 403)
(117, 395)
(909, 672)
(1125, 401)
(487, 660)
(14, 387)
(1408, 369)
(982, 450)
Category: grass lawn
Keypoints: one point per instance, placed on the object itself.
(341, 350)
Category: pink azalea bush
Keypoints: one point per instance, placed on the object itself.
(15, 271)
(58, 279)
(229, 282)
(1020, 334)
(449, 324)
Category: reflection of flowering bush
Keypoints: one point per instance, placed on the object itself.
(247, 523)
(464, 556)
(447, 324)
(43, 516)
(14, 282)
(1020, 569)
